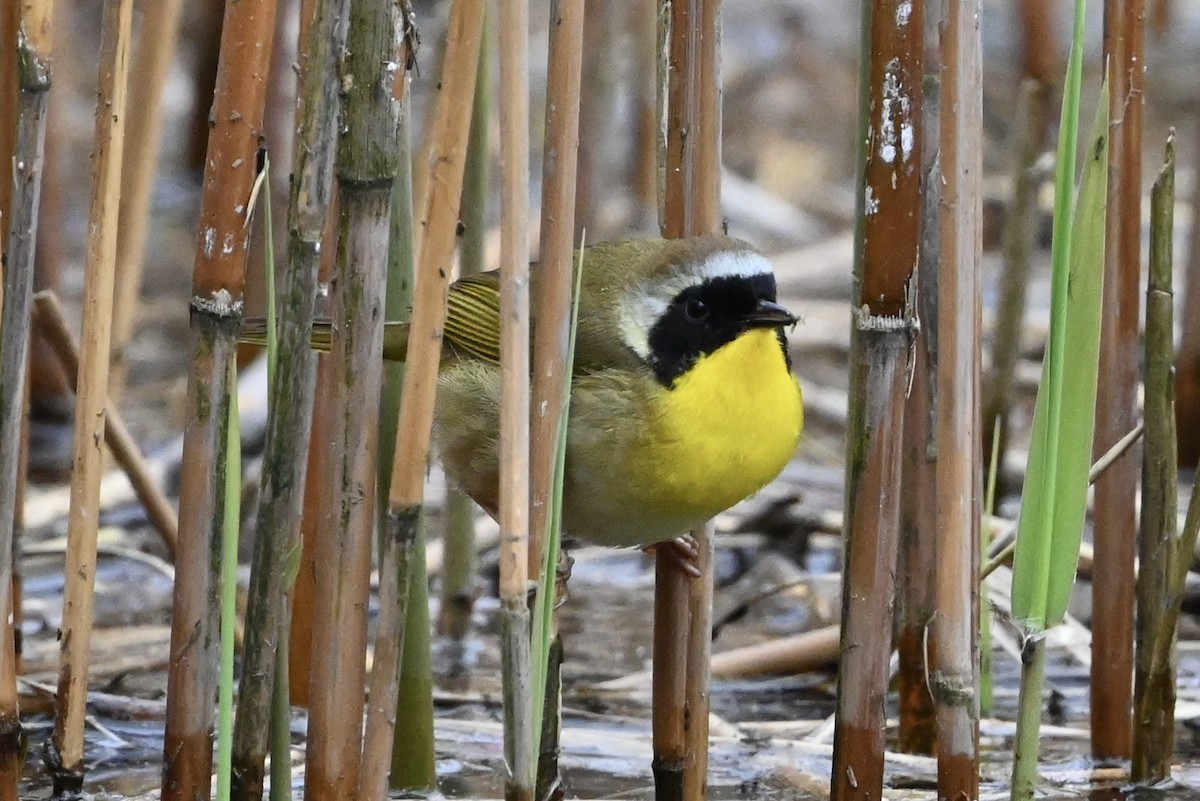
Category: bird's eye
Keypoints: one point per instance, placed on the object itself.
(695, 309)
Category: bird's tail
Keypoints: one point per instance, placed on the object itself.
(395, 336)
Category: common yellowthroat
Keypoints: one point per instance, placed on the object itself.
(683, 401)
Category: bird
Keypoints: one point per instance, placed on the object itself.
(683, 397)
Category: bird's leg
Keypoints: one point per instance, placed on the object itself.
(562, 573)
(683, 551)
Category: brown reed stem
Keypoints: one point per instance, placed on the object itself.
(412, 751)
(515, 400)
(1117, 405)
(395, 556)
(683, 607)
(292, 392)
(955, 679)
(21, 197)
(888, 253)
(217, 284)
(552, 295)
(552, 299)
(66, 750)
(152, 60)
(50, 321)
(366, 171)
(1159, 549)
(917, 559)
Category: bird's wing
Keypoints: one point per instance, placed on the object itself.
(473, 316)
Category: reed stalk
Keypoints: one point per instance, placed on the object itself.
(552, 300)
(216, 307)
(158, 36)
(458, 573)
(519, 750)
(232, 492)
(917, 559)
(691, 206)
(642, 28)
(29, 28)
(955, 677)
(292, 393)
(1159, 547)
(1114, 506)
(366, 170)
(395, 556)
(885, 321)
(66, 748)
(412, 749)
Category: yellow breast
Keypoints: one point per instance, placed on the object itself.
(725, 429)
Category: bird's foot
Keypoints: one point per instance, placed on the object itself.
(683, 551)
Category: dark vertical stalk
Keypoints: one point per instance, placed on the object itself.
(1117, 403)
(366, 169)
(917, 560)
(692, 200)
(22, 196)
(292, 392)
(887, 255)
(1158, 551)
(216, 307)
(955, 679)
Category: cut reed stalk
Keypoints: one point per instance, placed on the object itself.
(412, 749)
(30, 75)
(1114, 507)
(218, 279)
(50, 321)
(366, 170)
(888, 252)
(515, 398)
(66, 749)
(292, 392)
(954, 631)
(641, 25)
(395, 556)
(152, 60)
(1159, 549)
(458, 575)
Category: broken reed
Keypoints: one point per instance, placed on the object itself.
(888, 247)
(1163, 556)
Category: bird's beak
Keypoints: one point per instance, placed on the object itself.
(769, 314)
